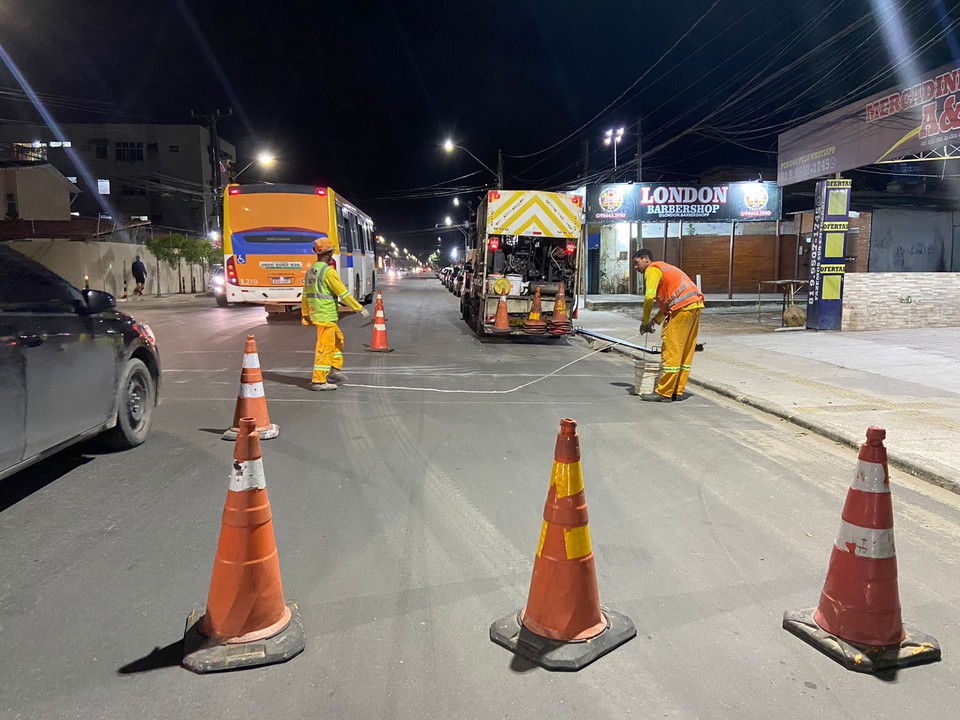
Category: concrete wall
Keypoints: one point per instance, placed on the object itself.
(884, 301)
(107, 264)
(911, 241)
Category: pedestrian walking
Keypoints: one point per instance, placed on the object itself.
(139, 271)
(680, 303)
(323, 289)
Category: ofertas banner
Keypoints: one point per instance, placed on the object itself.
(831, 220)
(658, 202)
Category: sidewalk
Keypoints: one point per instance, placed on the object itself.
(832, 383)
(139, 302)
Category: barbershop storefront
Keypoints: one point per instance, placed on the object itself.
(693, 227)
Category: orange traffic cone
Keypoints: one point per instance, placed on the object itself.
(858, 620)
(560, 324)
(247, 622)
(563, 608)
(379, 342)
(535, 324)
(502, 322)
(251, 401)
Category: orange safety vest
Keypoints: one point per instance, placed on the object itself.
(675, 290)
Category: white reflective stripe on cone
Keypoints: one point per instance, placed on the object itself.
(867, 542)
(247, 476)
(380, 326)
(251, 390)
(251, 360)
(870, 477)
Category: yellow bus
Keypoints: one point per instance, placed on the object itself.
(268, 236)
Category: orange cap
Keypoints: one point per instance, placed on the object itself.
(322, 245)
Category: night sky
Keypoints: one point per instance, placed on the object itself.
(361, 94)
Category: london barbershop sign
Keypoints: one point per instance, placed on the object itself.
(653, 202)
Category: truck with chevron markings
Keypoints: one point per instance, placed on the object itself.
(525, 240)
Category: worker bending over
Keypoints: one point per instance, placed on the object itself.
(680, 303)
(323, 288)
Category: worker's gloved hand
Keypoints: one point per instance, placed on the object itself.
(647, 328)
(305, 321)
(364, 313)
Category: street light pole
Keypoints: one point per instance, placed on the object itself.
(614, 139)
(264, 159)
(449, 147)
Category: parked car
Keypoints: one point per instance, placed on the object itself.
(456, 281)
(71, 366)
(216, 286)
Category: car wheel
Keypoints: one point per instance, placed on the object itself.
(222, 300)
(134, 408)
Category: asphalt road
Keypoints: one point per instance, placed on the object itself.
(407, 522)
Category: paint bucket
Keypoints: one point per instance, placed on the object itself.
(646, 372)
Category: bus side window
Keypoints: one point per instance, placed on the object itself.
(366, 237)
(341, 229)
(354, 235)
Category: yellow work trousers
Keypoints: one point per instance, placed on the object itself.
(329, 352)
(678, 342)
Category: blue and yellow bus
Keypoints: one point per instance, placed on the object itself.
(268, 236)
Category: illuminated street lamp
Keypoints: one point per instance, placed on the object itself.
(264, 159)
(614, 139)
(449, 146)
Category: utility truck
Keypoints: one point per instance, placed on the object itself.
(524, 240)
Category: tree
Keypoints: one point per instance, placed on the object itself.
(196, 251)
(170, 249)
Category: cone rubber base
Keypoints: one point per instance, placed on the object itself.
(370, 349)
(915, 649)
(556, 654)
(265, 434)
(203, 655)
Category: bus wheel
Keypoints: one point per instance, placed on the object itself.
(222, 300)
(367, 299)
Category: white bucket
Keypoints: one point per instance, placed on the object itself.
(646, 372)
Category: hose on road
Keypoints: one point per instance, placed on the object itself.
(494, 392)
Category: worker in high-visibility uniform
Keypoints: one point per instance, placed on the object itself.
(323, 289)
(680, 302)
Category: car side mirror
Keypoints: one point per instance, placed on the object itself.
(97, 302)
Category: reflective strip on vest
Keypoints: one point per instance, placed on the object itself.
(865, 542)
(870, 477)
(685, 292)
(251, 360)
(251, 390)
(247, 475)
(312, 281)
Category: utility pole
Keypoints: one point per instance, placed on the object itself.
(499, 169)
(586, 158)
(217, 179)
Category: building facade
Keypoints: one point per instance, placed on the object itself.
(162, 174)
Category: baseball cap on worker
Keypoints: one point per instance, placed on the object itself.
(322, 245)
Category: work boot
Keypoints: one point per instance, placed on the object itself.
(323, 386)
(655, 397)
(335, 376)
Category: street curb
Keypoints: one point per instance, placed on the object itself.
(851, 441)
